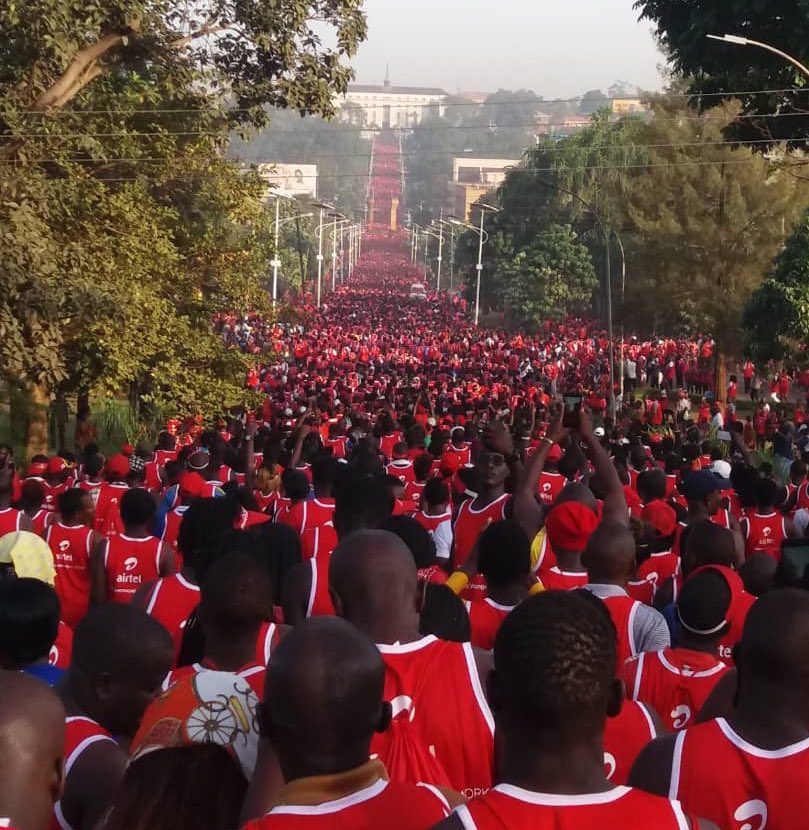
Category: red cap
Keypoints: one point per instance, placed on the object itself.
(660, 516)
(56, 465)
(117, 466)
(570, 524)
(38, 468)
(127, 450)
(554, 453)
(192, 485)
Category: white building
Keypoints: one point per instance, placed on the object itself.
(290, 179)
(397, 107)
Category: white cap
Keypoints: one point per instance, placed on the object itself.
(599, 432)
(721, 468)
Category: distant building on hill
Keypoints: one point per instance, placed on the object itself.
(289, 179)
(472, 179)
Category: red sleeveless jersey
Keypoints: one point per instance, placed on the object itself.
(319, 541)
(249, 518)
(721, 777)
(130, 563)
(10, 520)
(643, 590)
(624, 738)
(170, 602)
(385, 804)
(414, 491)
(80, 734)
(388, 442)
(401, 469)
(550, 485)
(555, 579)
(659, 567)
(268, 638)
(71, 546)
(435, 684)
(320, 604)
(41, 521)
(171, 530)
(675, 682)
(623, 611)
(317, 513)
(470, 523)
(485, 619)
(765, 533)
(722, 518)
(432, 523)
(62, 649)
(511, 807)
(291, 514)
(108, 509)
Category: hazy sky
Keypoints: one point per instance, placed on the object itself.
(558, 49)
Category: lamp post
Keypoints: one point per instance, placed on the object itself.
(338, 219)
(483, 238)
(744, 41)
(322, 206)
(440, 252)
(276, 263)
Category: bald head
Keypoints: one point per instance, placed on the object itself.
(577, 492)
(373, 576)
(706, 543)
(610, 555)
(323, 698)
(32, 736)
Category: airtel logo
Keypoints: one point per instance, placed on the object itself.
(402, 704)
(546, 488)
(610, 765)
(64, 545)
(767, 531)
(752, 810)
(130, 564)
(680, 716)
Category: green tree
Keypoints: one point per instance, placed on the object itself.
(548, 279)
(776, 317)
(592, 101)
(735, 71)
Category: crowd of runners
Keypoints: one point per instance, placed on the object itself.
(430, 582)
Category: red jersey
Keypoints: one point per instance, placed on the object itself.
(659, 567)
(555, 579)
(171, 601)
(453, 458)
(71, 547)
(337, 446)
(470, 523)
(62, 649)
(130, 563)
(52, 493)
(268, 638)
(507, 806)
(80, 734)
(723, 778)
(402, 468)
(624, 738)
(319, 541)
(10, 520)
(643, 590)
(41, 521)
(388, 442)
(485, 619)
(414, 490)
(91, 487)
(317, 512)
(550, 485)
(108, 509)
(171, 530)
(675, 682)
(292, 515)
(162, 457)
(623, 611)
(320, 604)
(435, 684)
(249, 518)
(384, 804)
(764, 533)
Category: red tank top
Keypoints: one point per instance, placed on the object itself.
(171, 601)
(722, 518)
(291, 515)
(317, 513)
(320, 604)
(485, 618)
(70, 546)
(80, 734)
(623, 611)
(624, 738)
(385, 804)
(41, 521)
(62, 650)
(174, 519)
(675, 682)
(268, 638)
(470, 524)
(130, 563)
(721, 777)
(643, 590)
(550, 485)
(10, 520)
(435, 683)
(432, 523)
(765, 533)
(659, 567)
(108, 509)
(506, 806)
(555, 579)
(319, 541)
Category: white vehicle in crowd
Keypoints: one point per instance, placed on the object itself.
(418, 291)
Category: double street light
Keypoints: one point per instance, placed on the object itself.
(736, 40)
(482, 239)
(276, 261)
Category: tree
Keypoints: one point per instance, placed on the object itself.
(548, 279)
(592, 101)
(123, 227)
(776, 317)
(738, 72)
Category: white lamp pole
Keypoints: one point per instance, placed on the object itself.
(744, 41)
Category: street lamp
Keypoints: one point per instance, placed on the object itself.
(483, 238)
(276, 262)
(322, 206)
(743, 41)
(336, 215)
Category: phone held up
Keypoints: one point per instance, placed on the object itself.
(571, 418)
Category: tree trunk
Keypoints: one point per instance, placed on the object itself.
(721, 376)
(36, 433)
